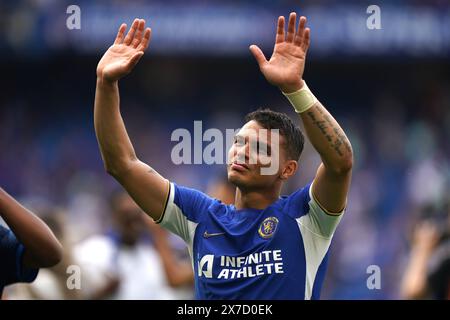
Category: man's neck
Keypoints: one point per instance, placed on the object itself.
(259, 199)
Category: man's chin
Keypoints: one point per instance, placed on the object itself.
(235, 179)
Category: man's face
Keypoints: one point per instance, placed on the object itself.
(256, 157)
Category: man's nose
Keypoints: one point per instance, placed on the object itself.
(242, 153)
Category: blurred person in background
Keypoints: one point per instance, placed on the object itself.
(28, 245)
(427, 275)
(134, 260)
(221, 189)
(51, 283)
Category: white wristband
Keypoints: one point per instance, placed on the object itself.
(302, 99)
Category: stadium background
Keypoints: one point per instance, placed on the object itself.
(389, 88)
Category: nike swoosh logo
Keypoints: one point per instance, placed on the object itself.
(209, 235)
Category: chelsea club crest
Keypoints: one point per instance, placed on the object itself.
(268, 227)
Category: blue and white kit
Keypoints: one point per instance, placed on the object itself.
(277, 253)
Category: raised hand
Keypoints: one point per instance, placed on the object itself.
(285, 67)
(125, 53)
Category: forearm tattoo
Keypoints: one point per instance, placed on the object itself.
(334, 135)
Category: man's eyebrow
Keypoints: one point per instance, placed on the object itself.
(257, 140)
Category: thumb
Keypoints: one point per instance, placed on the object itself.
(135, 59)
(258, 54)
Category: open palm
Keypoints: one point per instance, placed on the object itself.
(126, 51)
(285, 67)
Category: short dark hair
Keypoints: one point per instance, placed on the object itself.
(270, 119)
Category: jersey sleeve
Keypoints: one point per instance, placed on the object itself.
(184, 210)
(302, 203)
(12, 269)
(316, 227)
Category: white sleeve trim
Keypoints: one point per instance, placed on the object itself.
(315, 251)
(175, 221)
(321, 221)
(317, 228)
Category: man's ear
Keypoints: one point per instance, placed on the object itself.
(289, 169)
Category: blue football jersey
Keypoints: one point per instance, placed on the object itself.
(276, 253)
(11, 255)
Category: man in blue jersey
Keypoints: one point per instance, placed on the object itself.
(27, 246)
(264, 246)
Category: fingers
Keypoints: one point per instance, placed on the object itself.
(145, 40)
(291, 27)
(300, 38)
(306, 39)
(258, 54)
(131, 32)
(138, 34)
(280, 30)
(300, 31)
(120, 34)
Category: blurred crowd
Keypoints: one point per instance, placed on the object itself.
(33, 28)
(132, 259)
(397, 118)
